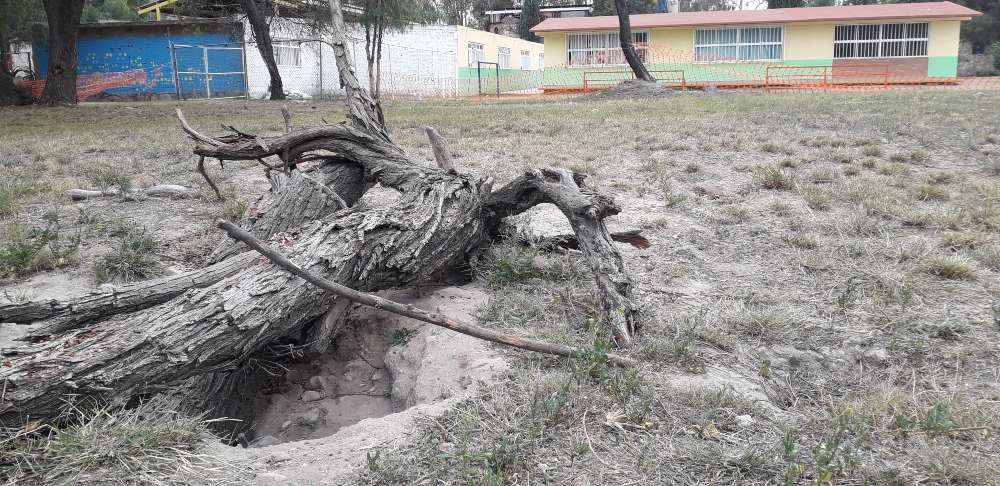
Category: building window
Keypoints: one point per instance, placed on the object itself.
(503, 58)
(288, 53)
(602, 49)
(738, 44)
(541, 60)
(880, 40)
(525, 60)
(476, 54)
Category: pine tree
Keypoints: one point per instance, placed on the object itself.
(530, 16)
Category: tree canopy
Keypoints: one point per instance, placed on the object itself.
(531, 16)
(607, 7)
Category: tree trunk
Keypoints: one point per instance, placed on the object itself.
(63, 17)
(628, 45)
(10, 94)
(428, 230)
(262, 33)
(365, 113)
(378, 62)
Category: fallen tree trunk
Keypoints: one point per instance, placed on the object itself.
(438, 217)
(193, 336)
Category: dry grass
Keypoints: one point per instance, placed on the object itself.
(833, 316)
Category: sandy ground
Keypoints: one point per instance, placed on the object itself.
(368, 394)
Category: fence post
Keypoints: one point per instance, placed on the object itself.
(173, 64)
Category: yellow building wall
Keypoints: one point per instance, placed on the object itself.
(809, 44)
(805, 44)
(677, 38)
(491, 47)
(944, 38)
(555, 48)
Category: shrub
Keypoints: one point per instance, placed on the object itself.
(996, 56)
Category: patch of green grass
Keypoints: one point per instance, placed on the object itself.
(24, 250)
(771, 177)
(940, 177)
(143, 445)
(963, 240)
(801, 240)
(815, 197)
(918, 156)
(872, 151)
(769, 323)
(929, 192)
(734, 214)
(951, 267)
(131, 260)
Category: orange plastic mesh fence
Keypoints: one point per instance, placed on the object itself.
(686, 69)
(90, 84)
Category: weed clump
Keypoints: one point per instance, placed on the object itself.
(130, 261)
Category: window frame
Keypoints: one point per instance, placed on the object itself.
(473, 61)
(905, 43)
(503, 54)
(612, 51)
(287, 48)
(738, 45)
(525, 60)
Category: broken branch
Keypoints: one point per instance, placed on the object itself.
(407, 310)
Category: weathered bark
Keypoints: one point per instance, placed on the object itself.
(409, 310)
(442, 151)
(59, 316)
(427, 230)
(298, 200)
(365, 113)
(628, 45)
(63, 17)
(585, 210)
(262, 33)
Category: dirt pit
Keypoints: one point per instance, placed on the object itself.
(632, 88)
(381, 363)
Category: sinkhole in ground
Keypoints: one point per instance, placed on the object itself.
(381, 363)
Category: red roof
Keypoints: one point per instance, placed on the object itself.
(853, 13)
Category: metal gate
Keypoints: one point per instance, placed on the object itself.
(209, 71)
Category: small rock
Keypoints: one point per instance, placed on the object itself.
(266, 441)
(447, 448)
(878, 355)
(317, 383)
(279, 457)
(710, 192)
(294, 391)
(377, 376)
(312, 417)
(271, 477)
(107, 289)
(581, 481)
(744, 420)
(287, 424)
(311, 396)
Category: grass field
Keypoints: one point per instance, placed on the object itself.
(822, 292)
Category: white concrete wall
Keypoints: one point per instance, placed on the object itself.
(421, 62)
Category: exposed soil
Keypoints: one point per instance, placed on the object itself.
(366, 393)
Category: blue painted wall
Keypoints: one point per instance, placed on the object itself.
(151, 53)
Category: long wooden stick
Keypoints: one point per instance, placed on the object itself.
(238, 234)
